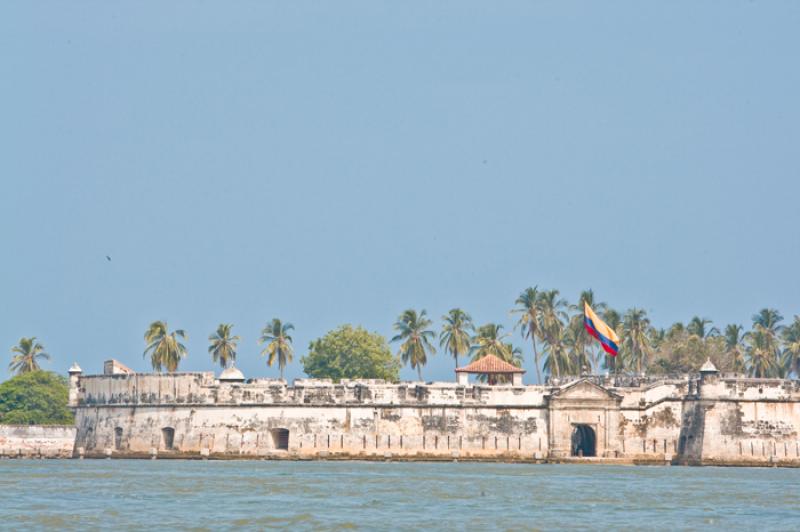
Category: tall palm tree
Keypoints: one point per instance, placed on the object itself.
(699, 327)
(763, 344)
(734, 347)
(26, 356)
(580, 338)
(223, 345)
(636, 348)
(413, 330)
(490, 340)
(762, 352)
(455, 336)
(529, 321)
(791, 349)
(556, 353)
(164, 347)
(769, 318)
(553, 313)
(279, 343)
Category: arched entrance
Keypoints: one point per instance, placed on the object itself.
(584, 441)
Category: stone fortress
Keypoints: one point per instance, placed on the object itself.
(703, 419)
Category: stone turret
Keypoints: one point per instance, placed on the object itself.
(709, 380)
(75, 372)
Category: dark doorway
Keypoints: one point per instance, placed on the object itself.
(168, 434)
(583, 441)
(280, 437)
(118, 438)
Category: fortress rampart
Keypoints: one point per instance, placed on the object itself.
(701, 420)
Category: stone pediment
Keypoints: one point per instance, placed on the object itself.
(583, 390)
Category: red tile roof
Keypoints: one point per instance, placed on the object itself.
(490, 364)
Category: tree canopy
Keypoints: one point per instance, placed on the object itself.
(35, 398)
(351, 353)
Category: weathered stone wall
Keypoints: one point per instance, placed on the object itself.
(708, 420)
(36, 441)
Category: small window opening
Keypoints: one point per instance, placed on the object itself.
(168, 435)
(280, 438)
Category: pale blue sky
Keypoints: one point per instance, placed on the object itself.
(333, 162)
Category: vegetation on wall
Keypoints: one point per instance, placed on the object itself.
(35, 398)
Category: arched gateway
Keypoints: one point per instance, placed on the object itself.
(584, 420)
(584, 441)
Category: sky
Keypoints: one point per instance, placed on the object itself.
(339, 162)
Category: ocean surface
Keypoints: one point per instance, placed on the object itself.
(214, 495)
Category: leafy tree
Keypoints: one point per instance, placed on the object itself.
(413, 330)
(35, 398)
(351, 353)
(455, 335)
(223, 345)
(279, 343)
(164, 347)
(26, 356)
(529, 321)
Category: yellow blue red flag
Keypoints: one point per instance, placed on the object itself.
(600, 331)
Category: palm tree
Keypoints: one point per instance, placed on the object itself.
(635, 342)
(763, 345)
(791, 342)
(455, 335)
(553, 313)
(26, 355)
(164, 347)
(489, 340)
(223, 345)
(699, 327)
(768, 318)
(529, 321)
(734, 348)
(413, 330)
(556, 353)
(762, 352)
(580, 338)
(279, 343)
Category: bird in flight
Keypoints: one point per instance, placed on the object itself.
(108, 258)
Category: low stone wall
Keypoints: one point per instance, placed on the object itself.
(37, 441)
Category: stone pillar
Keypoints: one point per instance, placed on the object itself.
(462, 379)
(516, 379)
(75, 372)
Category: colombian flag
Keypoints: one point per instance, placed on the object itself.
(600, 331)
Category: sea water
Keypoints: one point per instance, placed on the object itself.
(214, 495)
